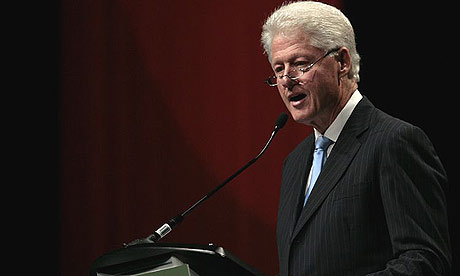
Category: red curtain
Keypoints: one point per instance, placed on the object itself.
(161, 101)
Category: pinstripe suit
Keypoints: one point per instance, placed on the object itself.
(378, 204)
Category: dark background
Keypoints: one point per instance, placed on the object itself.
(158, 102)
(409, 71)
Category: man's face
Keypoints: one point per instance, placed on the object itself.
(313, 98)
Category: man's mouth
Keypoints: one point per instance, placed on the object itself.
(297, 98)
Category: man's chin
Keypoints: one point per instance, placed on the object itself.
(300, 118)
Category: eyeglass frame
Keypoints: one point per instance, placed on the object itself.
(303, 70)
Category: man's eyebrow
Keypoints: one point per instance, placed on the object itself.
(293, 58)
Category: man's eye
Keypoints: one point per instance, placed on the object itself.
(301, 64)
(279, 69)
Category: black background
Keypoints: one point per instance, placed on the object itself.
(409, 70)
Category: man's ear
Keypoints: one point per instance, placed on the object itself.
(344, 58)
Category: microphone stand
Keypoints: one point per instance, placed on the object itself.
(172, 223)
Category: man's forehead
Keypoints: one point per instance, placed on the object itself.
(288, 47)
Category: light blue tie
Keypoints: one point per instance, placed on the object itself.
(319, 159)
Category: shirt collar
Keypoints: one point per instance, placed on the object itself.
(334, 130)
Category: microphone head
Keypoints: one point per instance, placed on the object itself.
(281, 121)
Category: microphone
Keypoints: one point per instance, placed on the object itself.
(172, 223)
(281, 121)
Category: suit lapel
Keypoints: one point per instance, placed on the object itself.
(293, 198)
(342, 154)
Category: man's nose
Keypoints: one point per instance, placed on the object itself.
(287, 82)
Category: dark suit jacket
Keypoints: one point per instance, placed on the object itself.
(377, 206)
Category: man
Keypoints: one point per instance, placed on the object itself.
(368, 198)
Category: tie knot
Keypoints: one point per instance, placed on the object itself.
(322, 142)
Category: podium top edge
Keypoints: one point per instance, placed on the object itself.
(205, 249)
(129, 253)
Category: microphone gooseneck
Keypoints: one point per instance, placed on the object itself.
(172, 223)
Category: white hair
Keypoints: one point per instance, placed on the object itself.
(326, 26)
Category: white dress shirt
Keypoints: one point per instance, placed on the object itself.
(334, 130)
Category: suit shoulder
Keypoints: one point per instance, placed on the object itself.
(386, 124)
(392, 134)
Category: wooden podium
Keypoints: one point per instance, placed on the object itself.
(171, 260)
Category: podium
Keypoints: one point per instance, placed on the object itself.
(171, 260)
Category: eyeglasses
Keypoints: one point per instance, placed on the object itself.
(297, 71)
